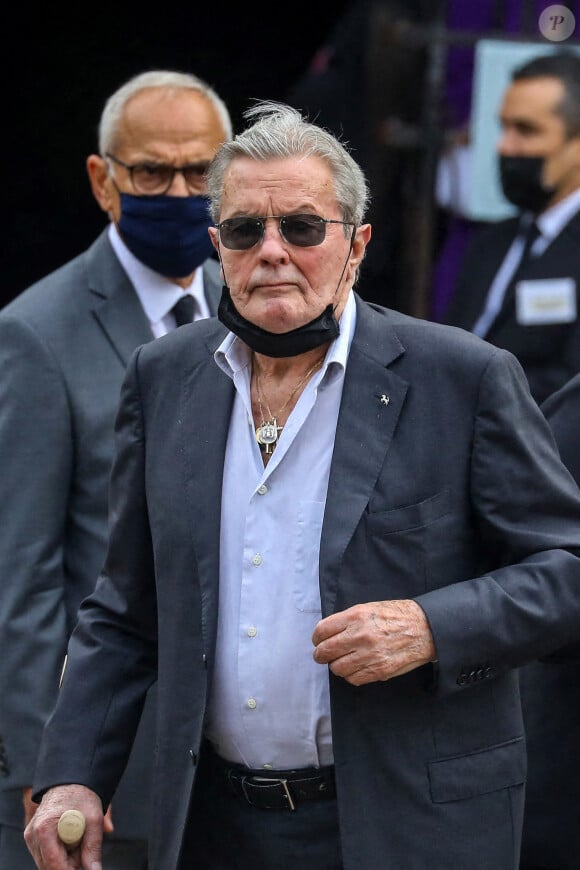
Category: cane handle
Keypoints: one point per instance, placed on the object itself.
(71, 827)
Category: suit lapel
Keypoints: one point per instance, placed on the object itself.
(561, 256)
(478, 270)
(124, 322)
(203, 449)
(115, 304)
(371, 404)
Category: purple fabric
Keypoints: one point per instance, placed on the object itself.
(482, 16)
(459, 234)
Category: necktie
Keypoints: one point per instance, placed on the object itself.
(501, 296)
(531, 234)
(183, 310)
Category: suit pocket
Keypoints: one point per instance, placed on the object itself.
(411, 516)
(488, 770)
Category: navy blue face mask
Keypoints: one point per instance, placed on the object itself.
(167, 233)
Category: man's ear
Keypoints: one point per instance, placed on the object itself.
(213, 234)
(360, 241)
(101, 184)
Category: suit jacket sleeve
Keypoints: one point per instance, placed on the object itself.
(526, 508)
(562, 410)
(34, 486)
(103, 705)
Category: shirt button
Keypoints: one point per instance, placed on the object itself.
(268, 766)
(263, 489)
(252, 703)
(257, 559)
(252, 631)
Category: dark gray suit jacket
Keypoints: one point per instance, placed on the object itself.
(451, 493)
(551, 702)
(549, 353)
(64, 346)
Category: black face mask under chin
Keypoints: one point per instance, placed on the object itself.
(322, 330)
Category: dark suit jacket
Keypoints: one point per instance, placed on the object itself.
(452, 493)
(549, 354)
(551, 703)
(64, 346)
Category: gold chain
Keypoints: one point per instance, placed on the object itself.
(268, 432)
(273, 417)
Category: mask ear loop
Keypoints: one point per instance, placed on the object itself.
(218, 252)
(352, 235)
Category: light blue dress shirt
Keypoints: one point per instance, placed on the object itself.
(270, 704)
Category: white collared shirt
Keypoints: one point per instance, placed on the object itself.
(156, 293)
(550, 224)
(270, 704)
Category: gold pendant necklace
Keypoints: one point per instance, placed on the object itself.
(268, 432)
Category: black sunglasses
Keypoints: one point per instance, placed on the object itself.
(303, 230)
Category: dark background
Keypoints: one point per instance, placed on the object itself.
(61, 65)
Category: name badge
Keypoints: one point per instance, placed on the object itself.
(548, 300)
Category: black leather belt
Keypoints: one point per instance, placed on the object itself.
(279, 789)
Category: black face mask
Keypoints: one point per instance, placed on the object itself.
(521, 181)
(321, 330)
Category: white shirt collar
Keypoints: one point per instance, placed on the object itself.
(156, 293)
(552, 221)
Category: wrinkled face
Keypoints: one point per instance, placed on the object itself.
(532, 127)
(180, 128)
(275, 284)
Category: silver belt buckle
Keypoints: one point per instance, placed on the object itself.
(284, 783)
(287, 793)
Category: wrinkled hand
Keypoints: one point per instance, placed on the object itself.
(374, 641)
(41, 833)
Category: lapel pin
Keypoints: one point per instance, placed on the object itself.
(384, 400)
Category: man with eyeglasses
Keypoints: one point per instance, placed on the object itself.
(64, 346)
(333, 606)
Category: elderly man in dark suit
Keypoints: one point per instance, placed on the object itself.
(337, 532)
(64, 346)
(519, 283)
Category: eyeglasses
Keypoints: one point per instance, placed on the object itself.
(154, 178)
(303, 230)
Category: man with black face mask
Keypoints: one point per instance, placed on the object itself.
(518, 286)
(64, 346)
